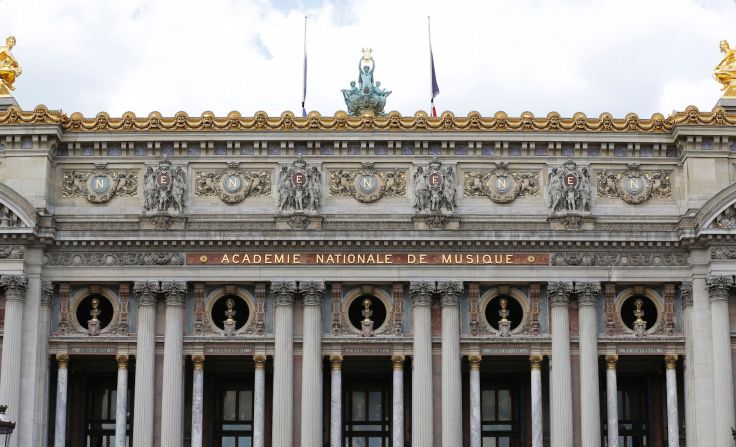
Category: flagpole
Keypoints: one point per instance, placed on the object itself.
(304, 91)
(435, 88)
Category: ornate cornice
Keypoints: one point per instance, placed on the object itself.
(421, 292)
(686, 293)
(718, 286)
(587, 292)
(312, 292)
(559, 292)
(15, 286)
(146, 293)
(341, 121)
(450, 292)
(175, 292)
(283, 292)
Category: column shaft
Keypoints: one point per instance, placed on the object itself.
(421, 392)
(336, 401)
(590, 420)
(172, 398)
(283, 364)
(259, 402)
(121, 403)
(198, 401)
(451, 377)
(15, 287)
(612, 400)
(61, 393)
(537, 407)
(475, 428)
(686, 293)
(145, 361)
(722, 368)
(702, 336)
(673, 432)
(561, 380)
(311, 399)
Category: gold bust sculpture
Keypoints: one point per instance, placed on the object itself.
(9, 67)
(725, 72)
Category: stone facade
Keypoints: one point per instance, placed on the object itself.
(252, 252)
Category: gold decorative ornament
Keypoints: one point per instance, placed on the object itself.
(611, 360)
(670, 361)
(336, 361)
(122, 360)
(368, 184)
(232, 185)
(198, 361)
(536, 361)
(9, 67)
(367, 312)
(397, 360)
(230, 310)
(62, 359)
(95, 312)
(725, 71)
(260, 361)
(474, 360)
(500, 184)
(504, 312)
(638, 311)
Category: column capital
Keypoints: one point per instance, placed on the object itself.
(450, 292)
(312, 292)
(146, 292)
(536, 361)
(670, 361)
(260, 361)
(175, 292)
(397, 360)
(718, 286)
(15, 287)
(421, 292)
(611, 360)
(198, 361)
(47, 291)
(62, 359)
(686, 293)
(122, 360)
(587, 292)
(336, 361)
(559, 293)
(283, 292)
(474, 360)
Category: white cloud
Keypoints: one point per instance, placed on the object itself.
(142, 55)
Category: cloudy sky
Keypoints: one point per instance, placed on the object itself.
(620, 56)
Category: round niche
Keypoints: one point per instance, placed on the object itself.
(230, 306)
(374, 305)
(95, 304)
(514, 309)
(636, 304)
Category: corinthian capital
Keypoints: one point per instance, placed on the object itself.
(587, 292)
(146, 292)
(175, 292)
(421, 292)
(718, 286)
(283, 292)
(686, 292)
(559, 292)
(450, 292)
(15, 286)
(312, 291)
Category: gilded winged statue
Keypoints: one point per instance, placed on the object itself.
(725, 72)
(9, 67)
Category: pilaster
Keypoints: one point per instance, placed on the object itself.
(143, 411)
(15, 296)
(590, 425)
(561, 380)
(422, 405)
(283, 293)
(718, 287)
(311, 396)
(451, 379)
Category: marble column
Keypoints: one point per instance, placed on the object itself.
(537, 407)
(673, 432)
(311, 426)
(397, 423)
(590, 413)
(686, 294)
(722, 368)
(612, 400)
(475, 428)
(44, 324)
(283, 363)
(145, 361)
(452, 413)
(336, 400)
(172, 397)
(62, 378)
(198, 401)
(561, 379)
(15, 296)
(422, 421)
(259, 401)
(703, 375)
(121, 402)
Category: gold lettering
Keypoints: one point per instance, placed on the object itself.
(279, 259)
(268, 259)
(389, 260)
(246, 259)
(330, 259)
(509, 259)
(297, 258)
(257, 259)
(497, 259)
(411, 259)
(370, 259)
(361, 259)
(422, 259)
(236, 258)
(487, 259)
(351, 258)
(469, 259)
(320, 259)
(225, 259)
(446, 259)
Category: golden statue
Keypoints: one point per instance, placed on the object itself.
(9, 67)
(725, 72)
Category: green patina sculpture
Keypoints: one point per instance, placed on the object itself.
(367, 96)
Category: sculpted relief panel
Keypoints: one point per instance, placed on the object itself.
(232, 185)
(164, 187)
(633, 185)
(500, 184)
(434, 188)
(368, 184)
(569, 189)
(101, 184)
(299, 188)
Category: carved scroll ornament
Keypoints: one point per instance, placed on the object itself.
(500, 184)
(633, 185)
(368, 184)
(99, 185)
(233, 185)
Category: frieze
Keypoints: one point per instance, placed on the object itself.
(228, 350)
(374, 350)
(99, 185)
(640, 350)
(618, 259)
(232, 185)
(12, 252)
(367, 184)
(505, 351)
(500, 184)
(633, 185)
(723, 253)
(92, 349)
(113, 259)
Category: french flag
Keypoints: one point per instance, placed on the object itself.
(435, 87)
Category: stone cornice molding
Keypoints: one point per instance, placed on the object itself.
(283, 292)
(421, 292)
(146, 292)
(559, 292)
(312, 291)
(450, 292)
(175, 292)
(15, 287)
(686, 293)
(718, 286)
(587, 293)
